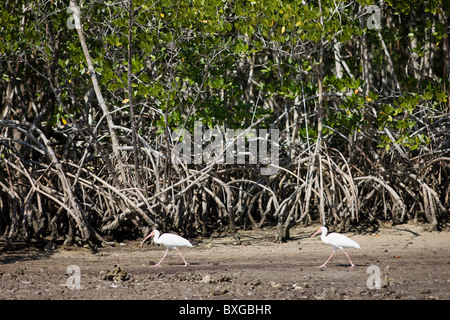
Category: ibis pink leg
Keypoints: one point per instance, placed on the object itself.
(185, 263)
(325, 263)
(351, 263)
(157, 265)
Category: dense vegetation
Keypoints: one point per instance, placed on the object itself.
(92, 94)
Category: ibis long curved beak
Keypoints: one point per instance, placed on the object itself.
(317, 232)
(151, 234)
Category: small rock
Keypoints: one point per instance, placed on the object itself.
(296, 287)
(274, 284)
(117, 274)
(255, 282)
(224, 278)
(219, 292)
(206, 278)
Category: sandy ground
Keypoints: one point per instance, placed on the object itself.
(409, 262)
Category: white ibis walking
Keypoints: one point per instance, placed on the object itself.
(337, 241)
(170, 241)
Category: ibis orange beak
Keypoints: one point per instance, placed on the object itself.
(151, 234)
(317, 232)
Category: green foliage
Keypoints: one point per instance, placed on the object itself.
(190, 60)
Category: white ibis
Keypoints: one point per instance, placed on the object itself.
(170, 241)
(337, 241)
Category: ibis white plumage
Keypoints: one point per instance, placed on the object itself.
(170, 241)
(337, 241)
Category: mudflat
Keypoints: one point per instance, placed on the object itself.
(395, 262)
